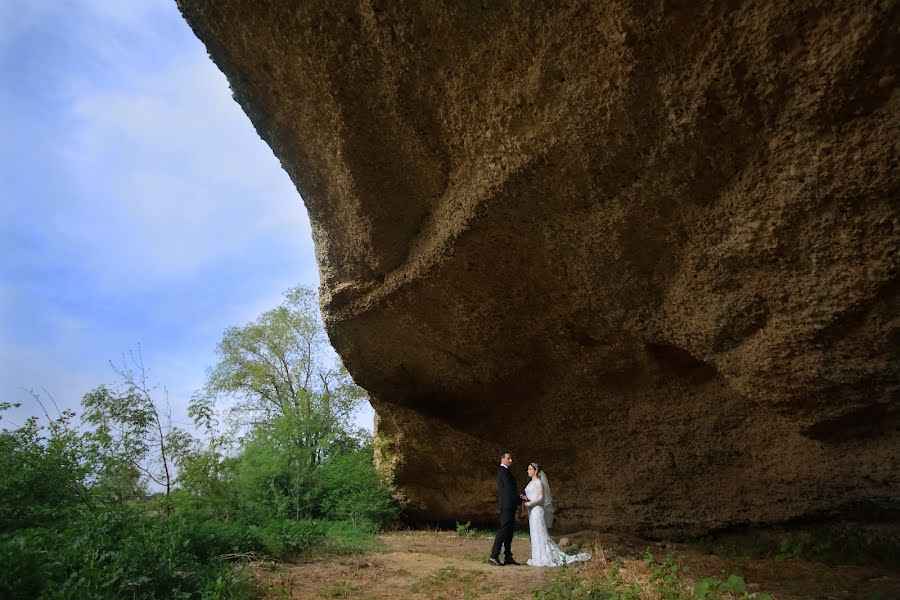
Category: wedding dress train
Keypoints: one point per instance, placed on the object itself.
(544, 551)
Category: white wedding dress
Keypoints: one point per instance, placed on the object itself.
(544, 552)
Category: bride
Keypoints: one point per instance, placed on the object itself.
(544, 552)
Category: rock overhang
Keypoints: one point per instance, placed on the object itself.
(652, 247)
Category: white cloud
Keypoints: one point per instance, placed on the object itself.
(167, 220)
(161, 173)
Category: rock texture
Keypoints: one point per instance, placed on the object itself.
(652, 245)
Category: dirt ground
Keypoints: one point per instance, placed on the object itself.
(415, 565)
(443, 565)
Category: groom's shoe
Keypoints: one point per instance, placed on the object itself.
(495, 562)
(510, 561)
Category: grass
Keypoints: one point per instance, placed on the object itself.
(481, 557)
(340, 589)
(344, 538)
(568, 586)
(660, 580)
(456, 580)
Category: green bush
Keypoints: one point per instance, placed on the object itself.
(300, 536)
(569, 587)
(464, 529)
(347, 487)
(351, 537)
(63, 536)
(22, 556)
(71, 526)
(112, 556)
(208, 538)
(666, 577)
(42, 477)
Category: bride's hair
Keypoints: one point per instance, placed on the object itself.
(537, 467)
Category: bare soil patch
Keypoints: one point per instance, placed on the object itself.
(443, 565)
(415, 565)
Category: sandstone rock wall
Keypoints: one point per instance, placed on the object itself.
(652, 245)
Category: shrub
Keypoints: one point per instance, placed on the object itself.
(464, 529)
(42, 477)
(103, 555)
(294, 537)
(347, 487)
(569, 587)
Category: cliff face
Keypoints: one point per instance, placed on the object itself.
(652, 246)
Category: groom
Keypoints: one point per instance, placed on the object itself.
(509, 501)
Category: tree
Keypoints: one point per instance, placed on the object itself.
(44, 473)
(278, 367)
(133, 439)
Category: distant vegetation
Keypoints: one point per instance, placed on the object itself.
(276, 471)
(666, 580)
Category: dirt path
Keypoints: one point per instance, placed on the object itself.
(443, 565)
(418, 565)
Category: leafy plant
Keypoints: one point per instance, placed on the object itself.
(75, 519)
(666, 577)
(464, 529)
(133, 440)
(568, 587)
(44, 475)
(733, 586)
(276, 366)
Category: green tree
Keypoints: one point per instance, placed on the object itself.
(347, 487)
(44, 475)
(205, 467)
(133, 440)
(279, 368)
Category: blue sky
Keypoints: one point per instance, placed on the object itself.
(137, 203)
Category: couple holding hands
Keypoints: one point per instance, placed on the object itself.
(539, 503)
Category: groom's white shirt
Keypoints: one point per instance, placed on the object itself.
(504, 466)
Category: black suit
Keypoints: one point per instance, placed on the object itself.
(508, 500)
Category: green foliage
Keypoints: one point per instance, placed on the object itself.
(43, 475)
(63, 538)
(666, 577)
(711, 588)
(568, 587)
(464, 529)
(74, 518)
(111, 556)
(120, 441)
(803, 544)
(277, 366)
(70, 539)
(348, 538)
(668, 583)
(290, 538)
(347, 487)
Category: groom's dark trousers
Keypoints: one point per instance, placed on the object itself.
(508, 499)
